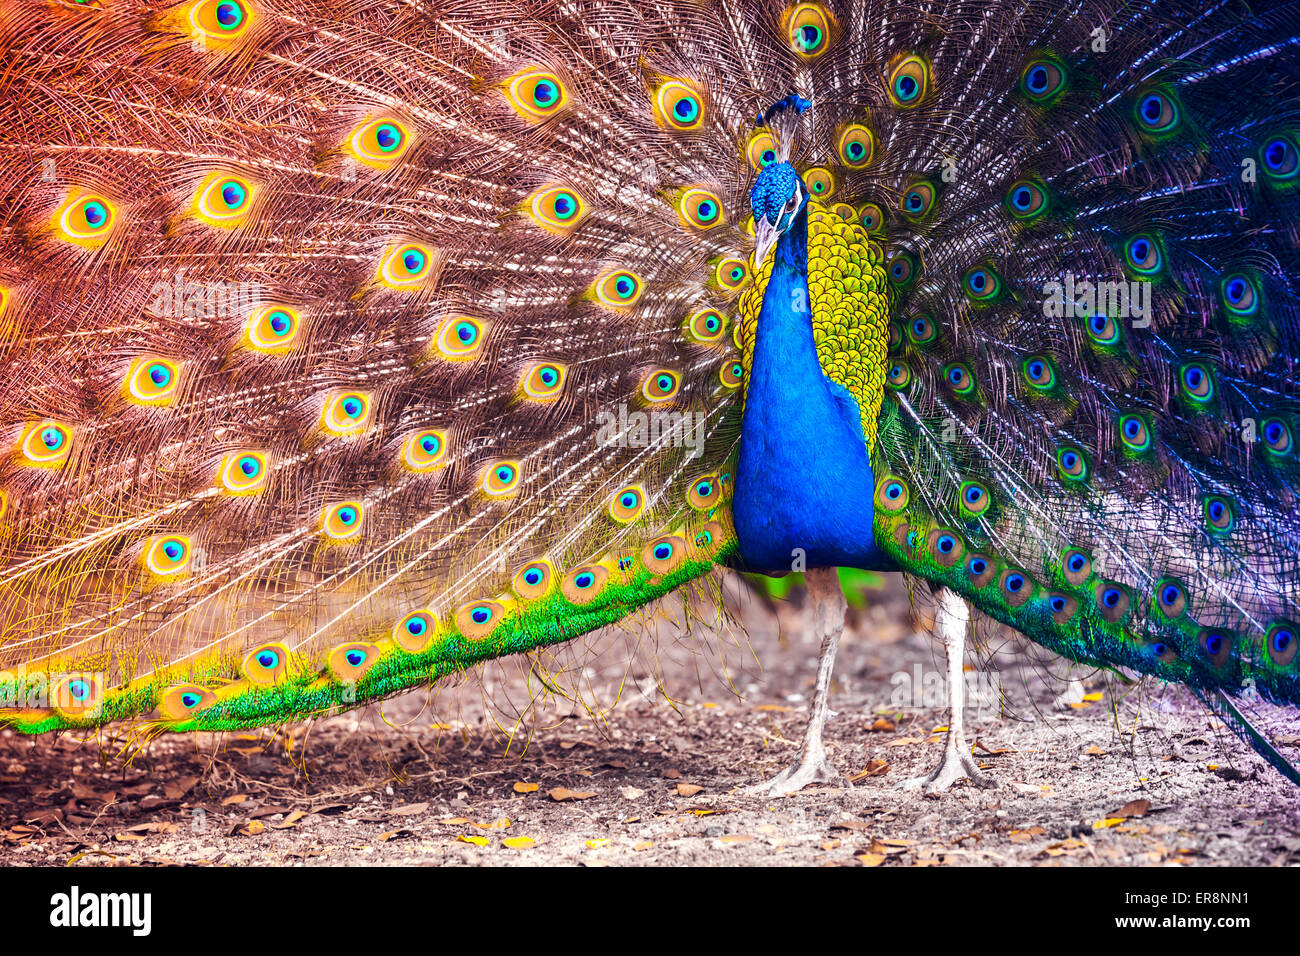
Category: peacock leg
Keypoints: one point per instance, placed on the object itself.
(951, 620)
(810, 765)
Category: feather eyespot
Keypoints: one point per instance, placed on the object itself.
(414, 632)
(243, 473)
(701, 208)
(982, 284)
(544, 381)
(461, 338)
(534, 580)
(891, 495)
(346, 413)
(679, 106)
(819, 181)
(855, 146)
(731, 273)
(1043, 79)
(185, 701)
(1281, 643)
(1103, 329)
(917, 201)
(585, 584)
(1072, 464)
(973, 499)
(945, 547)
(224, 199)
(1220, 514)
(872, 218)
(557, 209)
(1240, 295)
(343, 521)
(705, 493)
(1171, 598)
(536, 94)
(1144, 255)
(1196, 382)
(761, 149)
(1135, 433)
(1280, 158)
(351, 661)
(79, 694)
(267, 664)
(980, 569)
(959, 379)
(1278, 438)
(1026, 200)
(151, 380)
(909, 82)
(1216, 644)
(627, 504)
(425, 450)
(619, 289)
(501, 478)
(272, 330)
(902, 268)
(809, 29)
(478, 619)
(664, 554)
(660, 385)
(85, 219)
(1039, 372)
(1158, 113)
(1016, 587)
(379, 143)
(899, 376)
(1063, 607)
(731, 374)
(167, 555)
(219, 22)
(405, 266)
(45, 444)
(707, 326)
(1112, 601)
(1076, 566)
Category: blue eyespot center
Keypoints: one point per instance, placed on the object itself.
(1110, 597)
(190, 700)
(229, 14)
(1037, 79)
(95, 214)
(52, 437)
(663, 551)
(233, 195)
(415, 626)
(533, 576)
(584, 580)
(1057, 603)
(355, 658)
(480, 615)
(268, 659)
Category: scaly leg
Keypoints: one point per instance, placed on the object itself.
(810, 765)
(951, 619)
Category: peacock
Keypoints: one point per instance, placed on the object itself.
(348, 344)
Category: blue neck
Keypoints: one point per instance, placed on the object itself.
(803, 481)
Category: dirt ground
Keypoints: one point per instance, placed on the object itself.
(578, 757)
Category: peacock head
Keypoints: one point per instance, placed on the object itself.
(777, 198)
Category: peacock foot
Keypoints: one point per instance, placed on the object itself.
(807, 768)
(954, 766)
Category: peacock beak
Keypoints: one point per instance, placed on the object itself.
(765, 236)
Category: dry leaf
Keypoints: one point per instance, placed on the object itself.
(502, 824)
(1095, 751)
(737, 838)
(290, 821)
(688, 789)
(774, 707)
(874, 768)
(1132, 809)
(851, 825)
(903, 741)
(476, 840)
(410, 810)
(237, 798)
(1106, 823)
(830, 844)
(871, 859)
(644, 845)
(882, 725)
(518, 843)
(395, 834)
(596, 844)
(522, 787)
(1027, 835)
(673, 774)
(128, 837)
(1092, 698)
(632, 793)
(564, 793)
(254, 828)
(994, 750)
(455, 821)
